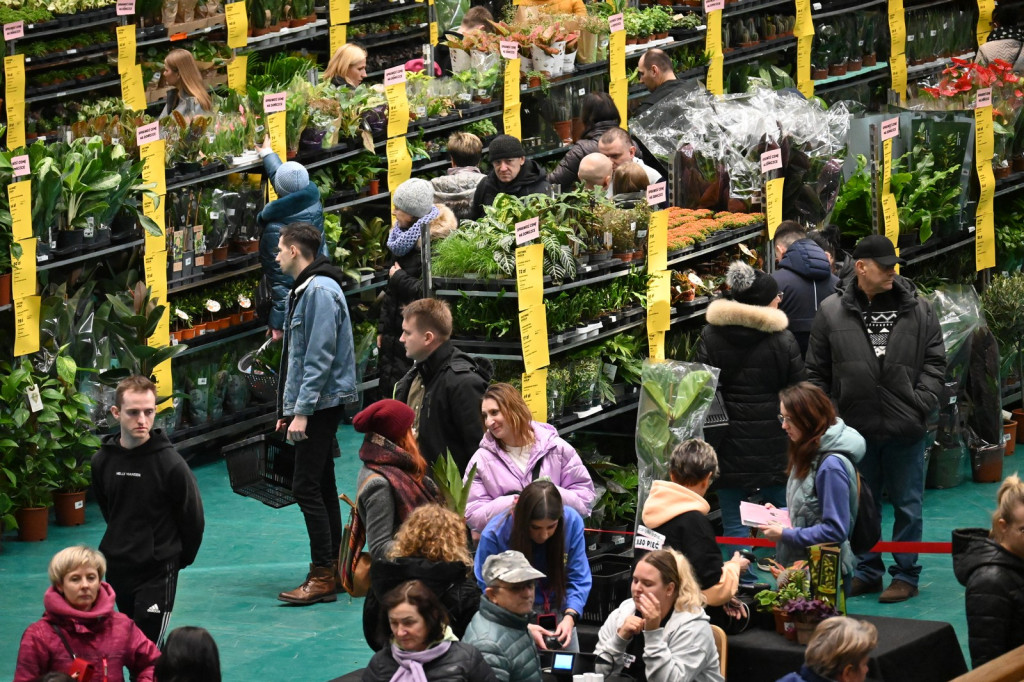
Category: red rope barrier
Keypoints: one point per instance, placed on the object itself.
(881, 547)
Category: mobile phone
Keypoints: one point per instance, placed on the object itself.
(548, 621)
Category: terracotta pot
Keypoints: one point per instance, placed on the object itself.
(870, 60)
(577, 128)
(248, 315)
(1009, 437)
(631, 41)
(643, 40)
(624, 257)
(1018, 416)
(534, 82)
(5, 289)
(295, 23)
(819, 74)
(837, 70)
(661, 36)
(220, 253)
(853, 65)
(199, 329)
(374, 187)
(688, 295)
(780, 620)
(33, 523)
(176, 336)
(987, 464)
(188, 334)
(563, 129)
(804, 630)
(1018, 165)
(70, 508)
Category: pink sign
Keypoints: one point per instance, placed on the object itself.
(394, 75)
(125, 7)
(771, 160)
(890, 128)
(656, 193)
(20, 165)
(14, 30)
(527, 230)
(274, 103)
(616, 23)
(984, 98)
(509, 49)
(713, 5)
(147, 133)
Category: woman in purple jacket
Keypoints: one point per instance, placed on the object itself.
(514, 452)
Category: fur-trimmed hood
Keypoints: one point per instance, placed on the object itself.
(724, 312)
(444, 224)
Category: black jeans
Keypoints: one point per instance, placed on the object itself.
(314, 486)
(147, 597)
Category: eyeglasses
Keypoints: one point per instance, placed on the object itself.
(783, 419)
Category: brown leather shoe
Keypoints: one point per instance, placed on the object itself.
(320, 586)
(860, 587)
(898, 590)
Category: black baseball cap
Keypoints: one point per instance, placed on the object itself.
(879, 249)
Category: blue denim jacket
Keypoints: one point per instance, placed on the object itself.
(321, 369)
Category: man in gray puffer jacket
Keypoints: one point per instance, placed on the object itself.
(456, 188)
(500, 629)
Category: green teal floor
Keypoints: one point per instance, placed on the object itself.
(251, 552)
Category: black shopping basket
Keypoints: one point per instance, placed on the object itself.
(261, 468)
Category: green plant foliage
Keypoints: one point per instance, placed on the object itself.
(449, 481)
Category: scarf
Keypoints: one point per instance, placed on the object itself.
(395, 464)
(410, 663)
(401, 242)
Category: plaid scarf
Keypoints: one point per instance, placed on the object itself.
(395, 464)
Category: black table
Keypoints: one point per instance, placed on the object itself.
(908, 651)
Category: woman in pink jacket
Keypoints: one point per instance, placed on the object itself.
(514, 452)
(80, 627)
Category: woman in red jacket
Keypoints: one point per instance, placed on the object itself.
(80, 627)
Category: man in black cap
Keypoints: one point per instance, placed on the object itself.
(511, 173)
(876, 348)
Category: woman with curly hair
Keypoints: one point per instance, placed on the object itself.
(431, 546)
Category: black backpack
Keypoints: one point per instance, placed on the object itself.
(867, 525)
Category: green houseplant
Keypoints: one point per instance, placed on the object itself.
(1001, 303)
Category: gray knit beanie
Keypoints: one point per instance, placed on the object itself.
(290, 177)
(415, 196)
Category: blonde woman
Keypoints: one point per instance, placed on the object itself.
(431, 546)
(661, 634)
(188, 95)
(839, 650)
(990, 564)
(347, 66)
(514, 452)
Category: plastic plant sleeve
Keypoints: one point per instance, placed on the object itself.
(674, 400)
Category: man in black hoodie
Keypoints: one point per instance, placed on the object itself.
(511, 173)
(150, 501)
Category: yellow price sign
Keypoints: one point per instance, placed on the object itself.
(126, 53)
(238, 73)
(804, 22)
(985, 9)
(14, 77)
(987, 183)
(985, 244)
(533, 330)
(132, 92)
(530, 275)
(433, 32)
(340, 11)
(657, 242)
(19, 197)
(618, 89)
(155, 264)
(891, 217)
(535, 394)
(512, 83)
(773, 204)
(513, 121)
(713, 38)
(276, 130)
(23, 270)
(15, 124)
(804, 82)
(154, 211)
(164, 386)
(398, 109)
(237, 21)
(659, 295)
(339, 36)
(399, 162)
(887, 166)
(154, 171)
(983, 136)
(715, 77)
(656, 345)
(617, 55)
(26, 325)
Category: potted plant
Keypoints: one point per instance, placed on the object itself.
(805, 614)
(72, 441)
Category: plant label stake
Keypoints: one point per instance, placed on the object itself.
(147, 133)
(771, 160)
(656, 193)
(125, 7)
(34, 401)
(14, 30)
(20, 164)
(527, 230)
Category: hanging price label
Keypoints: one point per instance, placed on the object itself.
(19, 197)
(126, 54)
(983, 99)
(509, 49)
(618, 89)
(238, 70)
(512, 121)
(340, 11)
(433, 33)
(147, 133)
(984, 142)
(237, 21)
(152, 210)
(533, 330)
(985, 243)
(530, 275)
(713, 5)
(617, 56)
(275, 102)
(14, 30)
(890, 128)
(15, 124)
(339, 36)
(657, 242)
(771, 160)
(656, 194)
(399, 162)
(132, 92)
(616, 22)
(891, 217)
(773, 204)
(535, 394)
(804, 82)
(511, 93)
(527, 230)
(804, 22)
(394, 75)
(887, 166)
(14, 76)
(125, 8)
(398, 109)
(23, 270)
(656, 345)
(154, 171)
(26, 325)
(20, 165)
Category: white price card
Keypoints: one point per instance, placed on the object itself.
(890, 128)
(984, 98)
(20, 165)
(656, 193)
(125, 7)
(647, 539)
(14, 30)
(509, 49)
(527, 230)
(616, 22)
(274, 102)
(712, 5)
(147, 133)
(771, 160)
(394, 75)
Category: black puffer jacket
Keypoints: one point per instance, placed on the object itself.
(450, 412)
(404, 287)
(451, 581)
(531, 180)
(461, 663)
(567, 172)
(758, 357)
(805, 279)
(892, 398)
(994, 579)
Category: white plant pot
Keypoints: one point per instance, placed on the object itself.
(542, 61)
(569, 62)
(461, 61)
(525, 64)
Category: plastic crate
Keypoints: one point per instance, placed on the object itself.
(612, 574)
(261, 468)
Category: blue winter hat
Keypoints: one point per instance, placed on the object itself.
(290, 177)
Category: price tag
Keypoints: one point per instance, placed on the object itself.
(14, 30)
(147, 133)
(132, 92)
(647, 539)
(399, 161)
(987, 183)
(15, 124)
(126, 54)
(26, 325)
(713, 5)
(339, 36)
(659, 296)
(35, 403)
(394, 75)
(656, 193)
(530, 275)
(398, 110)
(273, 103)
(238, 70)
(19, 197)
(340, 11)
(887, 166)
(804, 23)
(152, 210)
(433, 33)
(656, 345)
(533, 330)
(23, 270)
(713, 37)
(771, 160)
(509, 49)
(617, 56)
(616, 22)
(125, 8)
(20, 165)
(164, 381)
(618, 89)
(773, 201)
(804, 82)
(14, 75)
(890, 128)
(657, 242)
(512, 121)
(984, 244)
(535, 394)
(891, 216)
(237, 21)
(154, 171)
(983, 136)
(983, 99)
(527, 230)
(512, 67)
(276, 130)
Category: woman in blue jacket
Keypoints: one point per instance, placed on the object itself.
(298, 201)
(550, 535)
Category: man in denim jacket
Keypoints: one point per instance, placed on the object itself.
(318, 378)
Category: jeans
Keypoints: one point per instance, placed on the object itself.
(314, 486)
(729, 502)
(897, 466)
